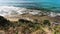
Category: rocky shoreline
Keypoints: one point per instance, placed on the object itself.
(10, 10)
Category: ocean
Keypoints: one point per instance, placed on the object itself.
(53, 5)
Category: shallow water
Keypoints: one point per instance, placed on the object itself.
(50, 4)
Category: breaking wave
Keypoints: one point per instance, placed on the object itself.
(11, 10)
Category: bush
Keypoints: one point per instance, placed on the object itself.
(23, 22)
(46, 22)
(34, 25)
(4, 23)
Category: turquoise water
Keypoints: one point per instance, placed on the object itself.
(49, 4)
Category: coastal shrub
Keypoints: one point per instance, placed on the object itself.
(4, 23)
(57, 29)
(17, 32)
(46, 22)
(35, 20)
(28, 24)
(23, 22)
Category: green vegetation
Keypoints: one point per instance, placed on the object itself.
(28, 24)
(17, 32)
(28, 27)
(4, 23)
(57, 29)
(46, 22)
